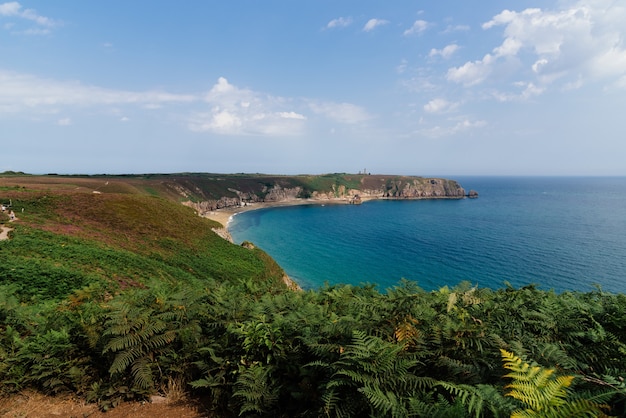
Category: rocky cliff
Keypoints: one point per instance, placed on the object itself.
(346, 188)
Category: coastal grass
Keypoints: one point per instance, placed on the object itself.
(64, 241)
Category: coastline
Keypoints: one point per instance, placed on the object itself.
(224, 216)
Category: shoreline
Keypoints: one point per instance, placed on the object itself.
(224, 216)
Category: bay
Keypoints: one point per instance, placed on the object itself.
(561, 233)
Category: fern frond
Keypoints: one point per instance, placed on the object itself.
(384, 403)
(468, 396)
(544, 394)
(125, 359)
(142, 373)
(406, 332)
(254, 390)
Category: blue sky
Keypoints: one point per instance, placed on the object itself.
(287, 87)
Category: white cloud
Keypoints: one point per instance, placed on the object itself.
(14, 9)
(222, 86)
(240, 111)
(528, 91)
(10, 9)
(219, 121)
(22, 91)
(36, 31)
(224, 109)
(419, 26)
(456, 28)
(445, 52)
(374, 23)
(471, 73)
(509, 47)
(455, 128)
(291, 115)
(610, 62)
(64, 122)
(236, 122)
(538, 64)
(340, 22)
(401, 68)
(341, 112)
(581, 42)
(439, 105)
(419, 84)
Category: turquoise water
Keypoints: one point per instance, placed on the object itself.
(561, 233)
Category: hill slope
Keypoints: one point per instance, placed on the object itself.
(64, 240)
(208, 191)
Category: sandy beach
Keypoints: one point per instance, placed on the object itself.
(223, 216)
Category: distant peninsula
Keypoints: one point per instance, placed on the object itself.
(209, 193)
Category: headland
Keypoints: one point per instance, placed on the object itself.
(271, 191)
(220, 196)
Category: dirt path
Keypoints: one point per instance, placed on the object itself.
(33, 405)
(4, 232)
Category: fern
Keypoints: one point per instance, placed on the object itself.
(544, 394)
(136, 336)
(50, 362)
(406, 332)
(254, 390)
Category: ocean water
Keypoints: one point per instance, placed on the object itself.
(561, 233)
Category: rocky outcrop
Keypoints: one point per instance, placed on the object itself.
(280, 194)
(223, 232)
(420, 189)
(355, 190)
(211, 205)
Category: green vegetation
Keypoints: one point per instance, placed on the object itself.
(329, 182)
(113, 297)
(232, 189)
(13, 173)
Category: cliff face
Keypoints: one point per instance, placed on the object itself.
(275, 193)
(338, 188)
(419, 188)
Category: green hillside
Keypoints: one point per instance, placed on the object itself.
(198, 187)
(122, 294)
(66, 240)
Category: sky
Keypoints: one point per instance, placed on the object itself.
(310, 87)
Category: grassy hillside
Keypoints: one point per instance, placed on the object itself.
(198, 187)
(64, 240)
(181, 186)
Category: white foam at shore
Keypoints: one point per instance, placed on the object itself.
(230, 219)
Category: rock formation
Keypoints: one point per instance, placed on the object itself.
(337, 188)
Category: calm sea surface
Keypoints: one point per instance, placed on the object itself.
(561, 233)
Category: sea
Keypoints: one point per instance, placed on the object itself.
(556, 233)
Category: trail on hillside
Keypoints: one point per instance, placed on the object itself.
(4, 232)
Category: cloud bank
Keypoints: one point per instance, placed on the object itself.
(569, 47)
